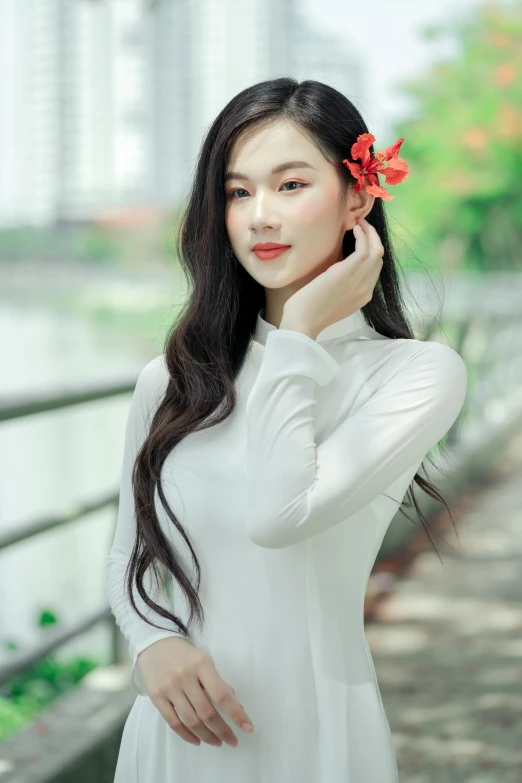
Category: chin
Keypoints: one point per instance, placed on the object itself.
(278, 278)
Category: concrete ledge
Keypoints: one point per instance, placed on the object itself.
(77, 739)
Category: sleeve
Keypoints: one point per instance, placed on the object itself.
(137, 632)
(296, 488)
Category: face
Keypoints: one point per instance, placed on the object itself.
(297, 207)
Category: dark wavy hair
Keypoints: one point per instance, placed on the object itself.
(206, 348)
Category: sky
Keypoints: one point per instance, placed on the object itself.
(388, 35)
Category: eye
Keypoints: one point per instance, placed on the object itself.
(293, 182)
(290, 182)
(231, 193)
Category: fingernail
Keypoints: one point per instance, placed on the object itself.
(247, 727)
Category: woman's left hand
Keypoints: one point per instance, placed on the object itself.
(341, 290)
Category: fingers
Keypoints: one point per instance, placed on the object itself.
(171, 717)
(369, 244)
(203, 718)
(222, 694)
(372, 238)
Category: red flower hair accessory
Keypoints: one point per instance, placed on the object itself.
(371, 165)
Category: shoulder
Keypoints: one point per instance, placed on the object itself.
(435, 369)
(152, 383)
(401, 357)
(154, 373)
(401, 352)
(443, 360)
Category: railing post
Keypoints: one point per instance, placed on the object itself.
(116, 651)
(463, 329)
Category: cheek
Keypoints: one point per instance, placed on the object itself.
(317, 210)
(233, 222)
(306, 213)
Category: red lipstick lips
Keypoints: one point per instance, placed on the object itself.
(267, 250)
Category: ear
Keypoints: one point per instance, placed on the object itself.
(358, 206)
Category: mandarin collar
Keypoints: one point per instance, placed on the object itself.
(346, 326)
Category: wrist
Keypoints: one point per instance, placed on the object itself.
(291, 324)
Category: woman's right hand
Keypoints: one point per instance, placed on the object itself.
(180, 678)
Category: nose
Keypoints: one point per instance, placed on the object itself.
(263, 215)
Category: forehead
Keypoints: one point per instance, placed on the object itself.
(271, 143)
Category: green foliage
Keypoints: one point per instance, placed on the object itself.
(36, 242)
(99, 245)
(25, 696)
(132, 246)
(463, 192)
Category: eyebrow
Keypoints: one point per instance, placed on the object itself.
(292, 164)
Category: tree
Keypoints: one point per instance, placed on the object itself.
(463, 193)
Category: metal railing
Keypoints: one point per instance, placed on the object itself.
(28, 405)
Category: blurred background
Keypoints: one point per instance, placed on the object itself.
(103, 105)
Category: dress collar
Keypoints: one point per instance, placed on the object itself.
(349, 325)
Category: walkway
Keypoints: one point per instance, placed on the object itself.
(447, 644)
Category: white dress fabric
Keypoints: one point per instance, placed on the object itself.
(286, 506)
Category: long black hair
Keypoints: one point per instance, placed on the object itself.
(207, 346)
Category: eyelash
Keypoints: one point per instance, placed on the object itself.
(290, 181)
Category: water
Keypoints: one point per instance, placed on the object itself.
(52, 461)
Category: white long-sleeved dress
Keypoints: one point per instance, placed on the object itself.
(286, 506)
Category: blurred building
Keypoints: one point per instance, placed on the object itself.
(104, 103)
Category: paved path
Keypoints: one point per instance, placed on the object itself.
(447, 644)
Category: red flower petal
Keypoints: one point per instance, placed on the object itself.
(390, 152)
(380, 192)
(396, 172)
(361, 147)
(357, 172)
(355, 168)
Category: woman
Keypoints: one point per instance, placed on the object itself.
(272, 443)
